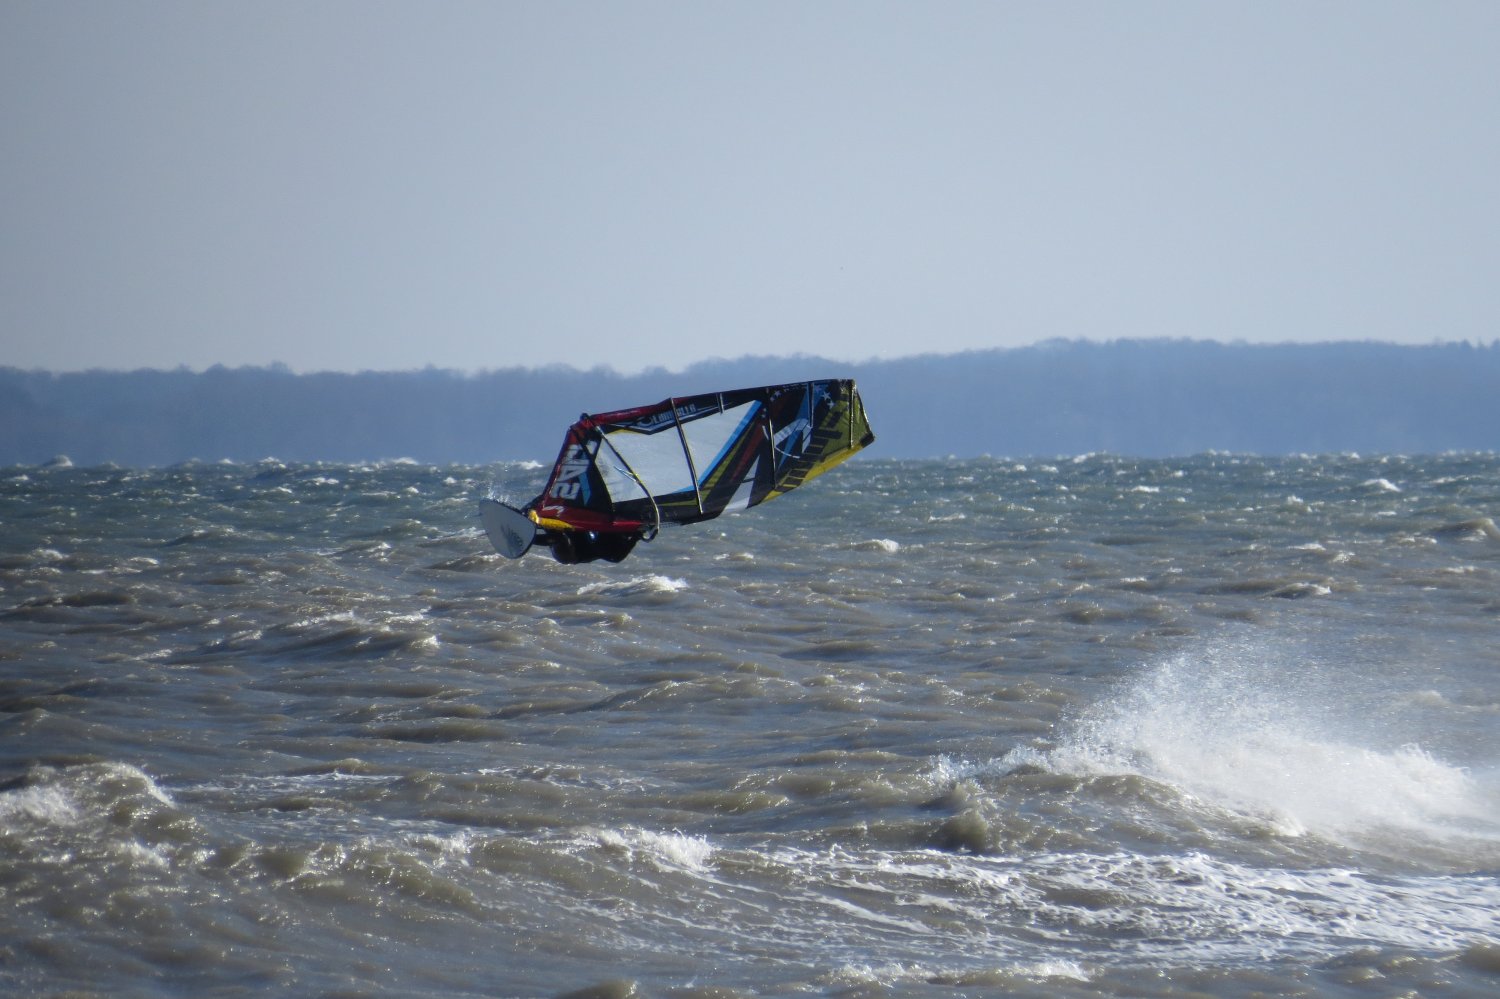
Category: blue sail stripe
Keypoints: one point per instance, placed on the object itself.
(734, 438)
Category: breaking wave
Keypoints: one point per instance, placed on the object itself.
(1266, 729)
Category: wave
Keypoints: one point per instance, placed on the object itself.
(1476, 529)
(652, 585)
(1262, 728)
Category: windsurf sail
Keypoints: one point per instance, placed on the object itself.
(620, 476)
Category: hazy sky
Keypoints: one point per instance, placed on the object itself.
(382, 185)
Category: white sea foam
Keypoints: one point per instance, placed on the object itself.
(664, 850)
(1253, 728)
(46, 804)
(1054, 969)
(636, 585)
(1189, 906)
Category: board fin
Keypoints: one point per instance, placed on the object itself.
(510, 531)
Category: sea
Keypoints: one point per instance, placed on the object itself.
(1079, 726)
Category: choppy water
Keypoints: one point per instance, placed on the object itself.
(947, 728)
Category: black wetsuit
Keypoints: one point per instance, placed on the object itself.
(572, 547)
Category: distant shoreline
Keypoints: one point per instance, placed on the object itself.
(1147, 398)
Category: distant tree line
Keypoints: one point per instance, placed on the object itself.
(1135, 397)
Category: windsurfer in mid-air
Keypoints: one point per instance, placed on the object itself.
(621, 475)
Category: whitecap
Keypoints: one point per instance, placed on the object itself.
(653, 584)
(1250, 728)
(663, 850)
(47, 804)
(1054, 969)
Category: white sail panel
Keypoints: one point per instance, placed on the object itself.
(656, 459)
(709, 437)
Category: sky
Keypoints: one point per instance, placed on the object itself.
(375, 185)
